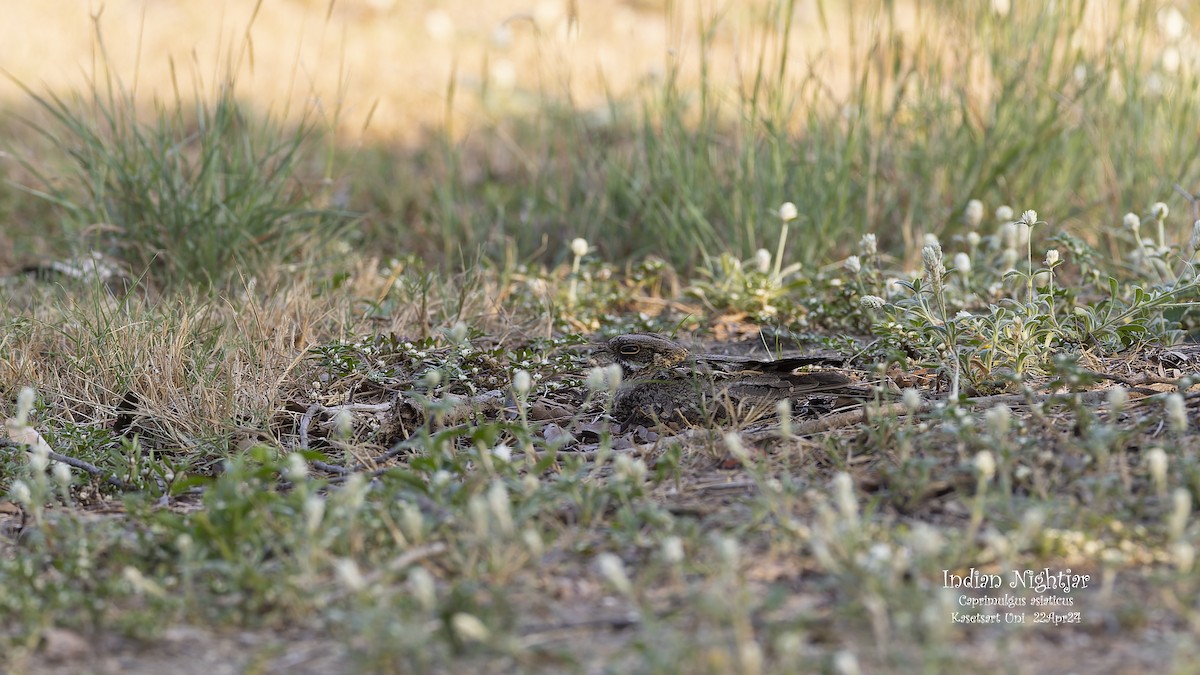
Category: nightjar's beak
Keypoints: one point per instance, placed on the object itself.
(601, 355)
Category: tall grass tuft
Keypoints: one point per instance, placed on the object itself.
(904, 115)
(195, 190)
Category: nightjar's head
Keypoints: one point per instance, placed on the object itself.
(637, 351)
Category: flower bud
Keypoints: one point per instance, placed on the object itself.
(762, 260)
(1176, 413)
(1156, 462)
(522, 382)
(613, 571)
(469, 627)
(1132, 222)
(1117, 398)
(911, 399)
(998, 420)
(985, 464)
(788, 212)
(973, 214)
(962, 263)
(867, 246)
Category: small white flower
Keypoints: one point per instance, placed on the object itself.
(502, 452)
(853, 265)
(1029, 217)
(579, 247)
(734, 443)
(20, 492)
(1004, 213)
(932, 240)
(612, 374)
(1171, 58)
(931, 259)
(613, 571)
(343, 423)
(783, 410)
(871, 302)
(533, 542)
(420, 584)
(762, 260)
(868, 246)
(314, 513)
(1172, 23)
(25, 399)
(846, 663)
(973, 239)
(1181, 508)
(1176, 413)
(1156, 462)
(348, 573)
(297, 467)
(985, 464)
(62, 474)
(1160, 211)
(962, 263)
(458, 332)
(1184, 555)
(596, 381)
(1052, 257)
(672, 550)
(973, 214)
(788, 212)
(1117, 398)
(500, 506)
(998, 420)
(522, 382)
(1132, 222)
(729, 551)
(911, 399)
(39, 458)
(843, 496)
(433, 377)
(469, 627)
(629, 469)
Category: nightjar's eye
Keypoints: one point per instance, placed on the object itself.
(630, 350)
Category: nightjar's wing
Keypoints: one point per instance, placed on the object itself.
(731, 364)
(786, 385)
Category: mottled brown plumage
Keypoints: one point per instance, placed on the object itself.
(664, 381)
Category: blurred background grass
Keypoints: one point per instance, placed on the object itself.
(449, 133)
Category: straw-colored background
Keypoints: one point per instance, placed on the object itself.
(394, 62)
